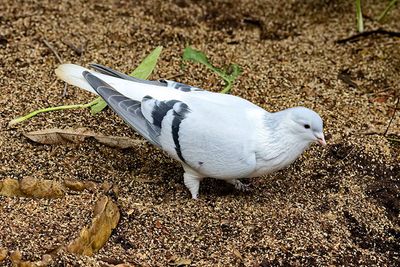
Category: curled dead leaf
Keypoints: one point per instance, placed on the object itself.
(106, 218)
(69, 135)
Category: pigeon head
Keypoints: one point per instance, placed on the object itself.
(306, 125)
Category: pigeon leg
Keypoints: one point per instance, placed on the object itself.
(192, 182)
(239, 185)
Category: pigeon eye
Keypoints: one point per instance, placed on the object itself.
(307, 126)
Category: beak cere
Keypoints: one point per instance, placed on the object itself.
(320, 139)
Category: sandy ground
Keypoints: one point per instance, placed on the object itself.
(337, 205)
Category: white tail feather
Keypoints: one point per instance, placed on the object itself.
(72, 74)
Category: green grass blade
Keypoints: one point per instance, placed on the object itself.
(148, 64)
(386, 11)
(359, 16)
(99, 106)
(142, 71)
(36, 112)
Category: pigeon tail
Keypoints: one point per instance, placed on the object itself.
(72, 74)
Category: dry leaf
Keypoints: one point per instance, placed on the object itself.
(106, 218)
(380, 99)
(3, 254)
(10, 188)
(182, 262)
(63, 136)
(33, 187)
(237, 254)
(106, 186)
(74, 185)
(16, 259)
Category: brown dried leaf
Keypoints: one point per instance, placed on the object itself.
(16, 259)
(90, 186)
(380, 99)
(106, 218)
(64, 136)
(33, 187)
(75, 185)
(3, 254)
(182, 262)
(237, 254)
(10, 188)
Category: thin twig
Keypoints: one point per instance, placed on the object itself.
(387, 9)
(391, 119)
(53, 50)
(59, 60)
(358, 36)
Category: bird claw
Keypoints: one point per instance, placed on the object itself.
(242, 187)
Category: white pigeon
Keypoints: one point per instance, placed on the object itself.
(213, 135)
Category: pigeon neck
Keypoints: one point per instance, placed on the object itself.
(279, 147)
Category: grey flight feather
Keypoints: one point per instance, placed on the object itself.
(145, 117)
(128, 109)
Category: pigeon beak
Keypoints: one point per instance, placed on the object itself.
(320, 139)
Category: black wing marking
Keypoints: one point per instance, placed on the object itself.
(179, 116)
(155, 111)
(182, 87)
(128, 109)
